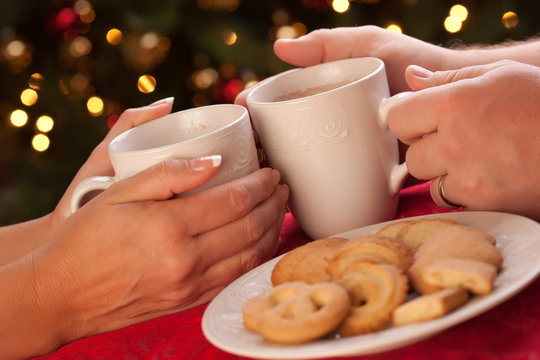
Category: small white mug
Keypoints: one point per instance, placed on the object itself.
(209, 130)
(324, 128)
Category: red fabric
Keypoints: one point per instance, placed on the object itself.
(510, 331)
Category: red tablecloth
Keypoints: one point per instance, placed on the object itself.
(509, 331)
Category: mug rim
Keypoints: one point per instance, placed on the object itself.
(250, 99)
(111, 147)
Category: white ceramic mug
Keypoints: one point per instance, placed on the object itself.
(333, 148)
(209, 130)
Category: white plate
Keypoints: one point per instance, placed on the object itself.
(517, 237)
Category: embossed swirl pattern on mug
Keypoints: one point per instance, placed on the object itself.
(241, 147)
(304, 131)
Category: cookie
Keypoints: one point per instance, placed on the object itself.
(297, 312)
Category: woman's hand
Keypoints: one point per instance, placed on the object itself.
(99, 163)
(20, 239)
(396, 50)
(479, 125)
(134, 253)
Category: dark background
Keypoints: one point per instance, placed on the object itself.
(188, 38)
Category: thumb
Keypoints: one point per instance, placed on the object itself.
(420, 78)
(164, 180)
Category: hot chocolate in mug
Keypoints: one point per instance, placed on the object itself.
(209, 130)
(324, 128)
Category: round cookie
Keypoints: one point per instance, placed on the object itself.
(297, 312)
(414, 234)
(306, 263)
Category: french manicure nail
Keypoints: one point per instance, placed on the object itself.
(168, 100)
(204, 162)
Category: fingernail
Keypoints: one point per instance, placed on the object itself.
(169, 100)
(204, 163)
(420, 71)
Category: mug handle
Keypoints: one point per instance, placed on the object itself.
(399, 172)
(86, 186)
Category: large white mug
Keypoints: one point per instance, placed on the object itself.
(324, 128)
(209, 130)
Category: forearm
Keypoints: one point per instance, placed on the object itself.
(523, 51)
(27, 328)
(20, 239)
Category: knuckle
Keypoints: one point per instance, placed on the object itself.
(255, 228)
(240, 198)
(250, 259)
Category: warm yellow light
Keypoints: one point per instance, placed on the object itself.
(36, 81)
(146, 84)
(300, 28)
(15, 49)
(18, 118)
(204, 78)
(95, 106)
(340, 6)
(29, 97)
(394, 28)
(80, 46)
(87, 15)
(149, 40)
(510, 20)
(452, 24)
(40, 142)
(459, 11)
(114, 36)
(81, 5)
(230, 37)
(250, 83)
(286, 32)
(44, 123)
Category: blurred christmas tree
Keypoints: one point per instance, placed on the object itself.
(69, 67)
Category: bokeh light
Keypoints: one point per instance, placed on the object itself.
(395, 28)
(18, 118)
(36, 81)
(114, 36)
(452, 24)
(44, 123)
(205, 78)
(40, 142)
(95, 106)
(80, 46)
(146, 84)
(14, 49)
(340, 6)
(286, 32)
(510, 20)
(459, 11)
(229, 37)
(149, 41)
(29, 97)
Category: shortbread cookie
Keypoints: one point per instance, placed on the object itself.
(475, 276)
(297, 312)
(373, 249)
(429, 307)
(306, 263)
(414, 234)
(394, 229)
(375, 291)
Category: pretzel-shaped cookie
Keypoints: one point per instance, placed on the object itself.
(296, 312)
(375, 291)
